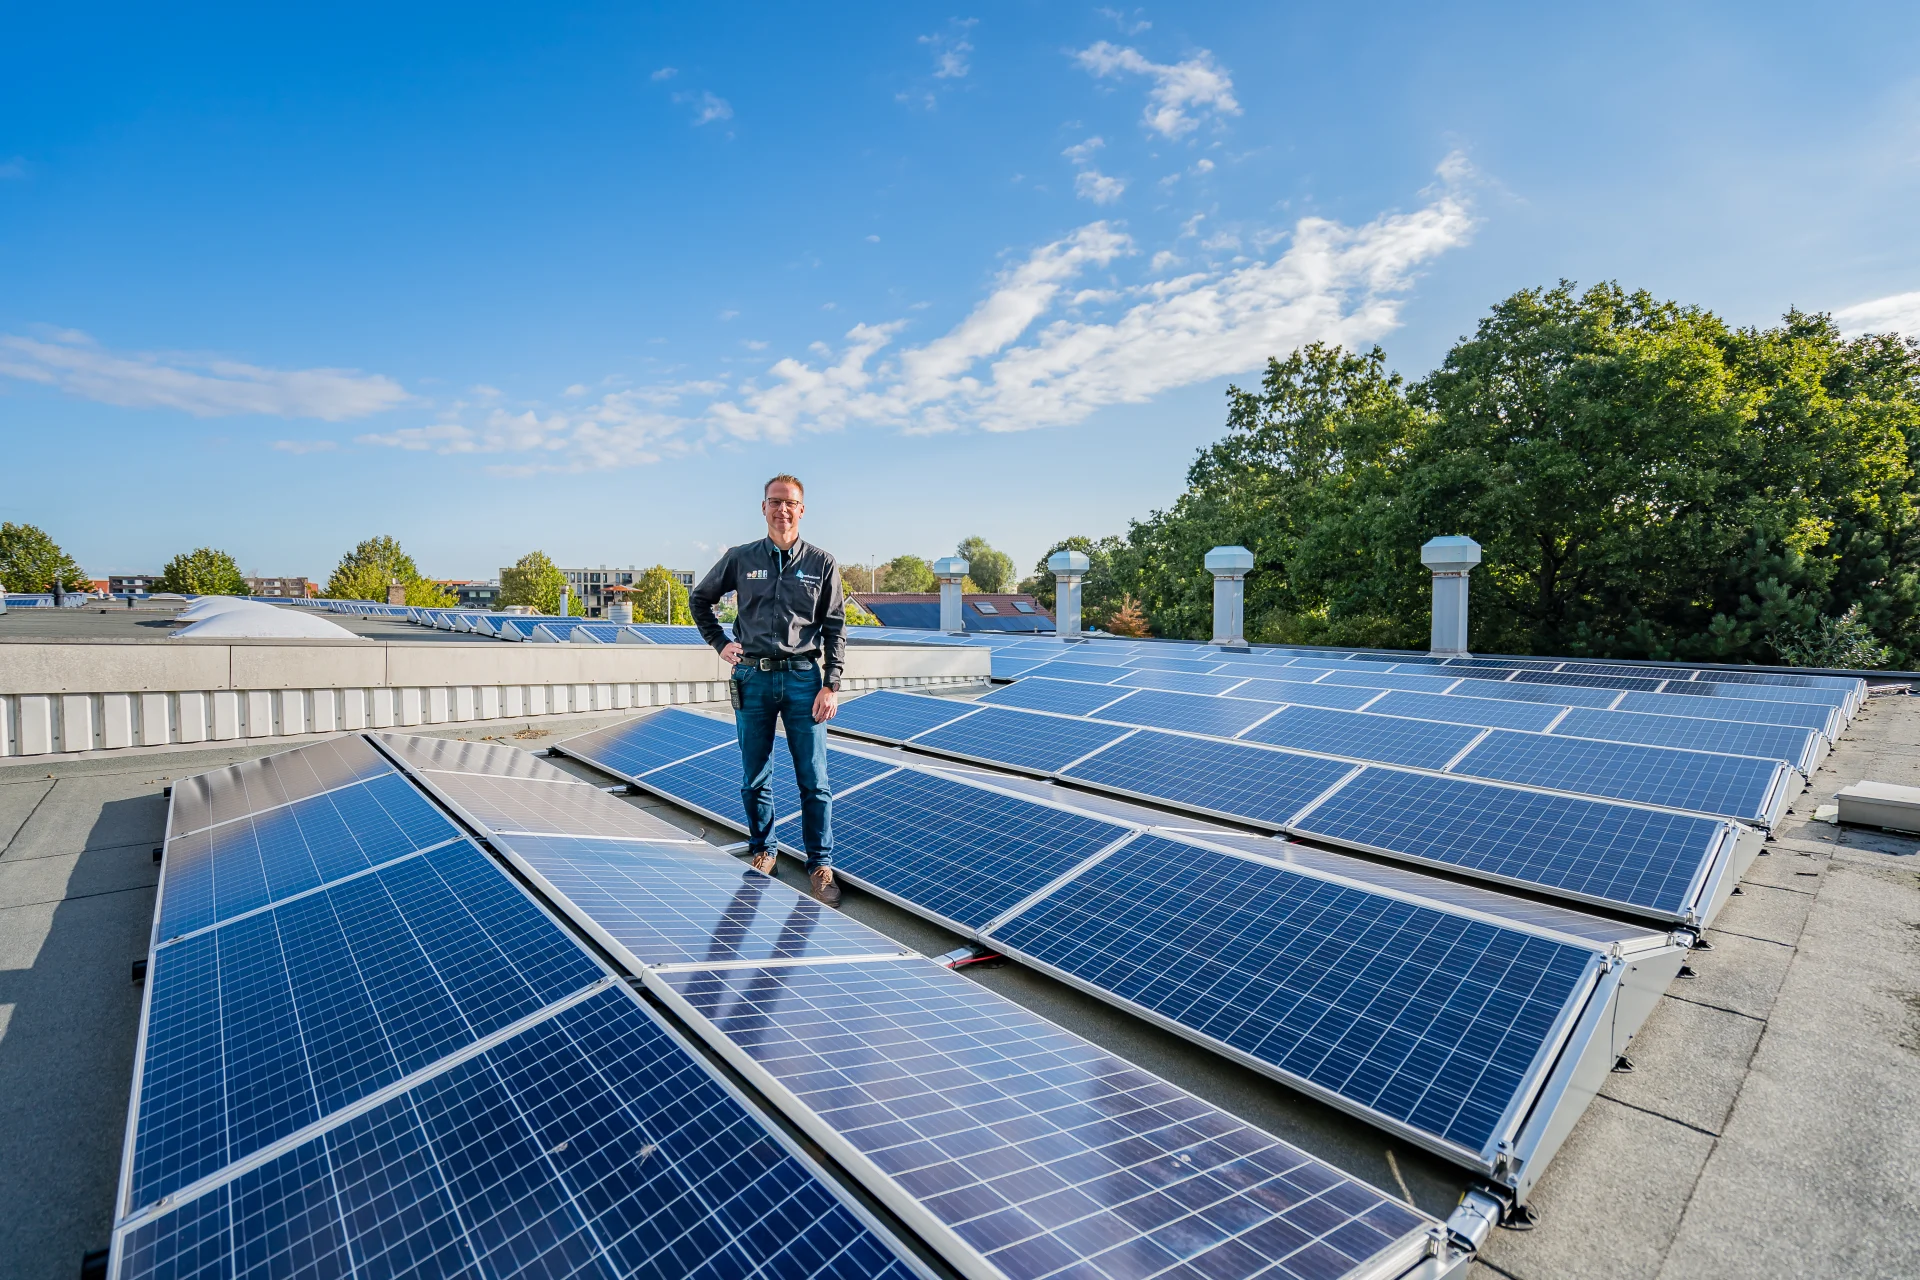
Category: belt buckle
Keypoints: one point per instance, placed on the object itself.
(763, 664)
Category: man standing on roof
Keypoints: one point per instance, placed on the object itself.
(789, 644)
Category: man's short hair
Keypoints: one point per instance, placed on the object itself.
(784, 478)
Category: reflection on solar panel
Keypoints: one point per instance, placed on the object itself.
(1800, 715)
(1757, 693)
(1224, 778)
(1220, 717)
(1488, 713)
(1020, 739)
(1427, 1018)
(1007, 668)
(590, 1142)
(1421, 744)
(257, 785)
(1162, 662)
(667, 904)
(1476, 686)
(635, 746)
(1600, 852)
(1178, 682)
(1392, 680)
(662, 633)
(1091, 672)
(1732, 786)
(219, 872)
(269, 1022)
(1025, 1145)
(895, 717)
(1775, 742)
(1339, 697)
(962, 853)
(1064, 697)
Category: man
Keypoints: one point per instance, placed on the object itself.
(789, 644)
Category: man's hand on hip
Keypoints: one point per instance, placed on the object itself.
(825, 704)
(732, 654)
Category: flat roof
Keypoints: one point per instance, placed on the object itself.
(1769, 1125)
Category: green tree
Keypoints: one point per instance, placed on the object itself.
(659, 597)
(859, 617)
(535, 581)
(993, 570)
(1104, 587)
(205, 572)
(364, 573)
(31, 561)
(904, 574)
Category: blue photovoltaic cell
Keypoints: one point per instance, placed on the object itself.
(636, 746)
(1339, 697)
(1187, 712)
(1179, 682)
(1090, 672)
(1161, 662)
(1798, 714)
(712, 781)
(1716, 677)
(963, 852)
(669, 904)
(1428, 1018)
(1636, 857)
(1392, 680)
(268, 1023)
(1063, 697)
(895, 717)
(1007, 668)
(1488, 713)
(1732, 786)
(603, 632)
(1758, 693)
(591, 1144)
(1775, 742)
(256, 785)
(1475, 686)
(1421, 744)
(1586, 682)
(1021, 739)
(220, 872)
(663, 633)
(1042, 1152)
(1227, 778)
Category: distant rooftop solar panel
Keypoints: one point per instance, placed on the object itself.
(1775, 742)
(1178, 681)
(1758, 693)
(1729, 786)
(895, 717)
(1064, 697)
(1217, 717)
(1483, 685)
(1637, 683)
(1488, 713)
(1361, 735)
(1230, 779)
(1340, 697)
(666, 633)
(635, 746)
(1020, 739)
(1797, 714)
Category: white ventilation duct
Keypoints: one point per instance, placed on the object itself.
(1451, 560)
(952, 572)
(1230, 566)
(1069, 569)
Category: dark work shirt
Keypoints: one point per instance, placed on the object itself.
(790, 604)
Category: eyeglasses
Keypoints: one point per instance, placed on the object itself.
(784, 502)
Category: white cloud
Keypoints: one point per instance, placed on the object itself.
(707, 107)
(727, 315)
(576, 390)
(1897, 313)
(665, 73)
(203, 385)
(754, 344)
(1182, 91)
(1091, 184)
(1040, 349)
(1082, 152)
(950, 49)
(873, 239)
(306, 446)
(1130, 24)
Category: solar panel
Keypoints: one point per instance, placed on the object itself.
(1339, 697)
(1063, 697)
(1392, 680)
(267, 1023)
(256, 785)
(1758, 693)
(711, 782)
(1020, 739)
(1488, 713)
(1796, 714)
(635, 746)
(895, 717)
(1006, 668)
(1639, 684)
(1033, 1150)
(1635, 858)
(1090, 672)
(1164, 662)
(654, 904)
(220, 872)
(663, 633)
(963, 853)
(1421, 744)
(1775, 742)
(1429, 1019)
(1229, 779)
(1179, 682)
(1731, 786)
(590, 1143)
(1480, 685)
(1218, 717)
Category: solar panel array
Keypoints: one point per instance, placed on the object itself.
(1434, 1020)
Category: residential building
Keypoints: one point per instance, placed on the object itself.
(295, 588)
(589, 586)
(474, 595)
(130, 584)
(1003, 611)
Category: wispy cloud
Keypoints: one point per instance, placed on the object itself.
(664, 73)
(707, 106)
(1130, 24)
(950, 49)
(1897, 313)
(1090, 183)
(203, 385)
(1043, 347)
(1182, 93)
(306, 446)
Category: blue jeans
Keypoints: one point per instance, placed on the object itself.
(786, 697)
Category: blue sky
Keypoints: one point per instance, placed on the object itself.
(493, 278)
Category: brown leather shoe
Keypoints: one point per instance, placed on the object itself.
(763, 862)
(824, 887)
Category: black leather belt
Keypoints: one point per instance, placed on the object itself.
(780, 664)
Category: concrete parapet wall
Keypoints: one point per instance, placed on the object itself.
(63, 699)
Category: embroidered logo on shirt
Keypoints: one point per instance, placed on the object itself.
(756, 574)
